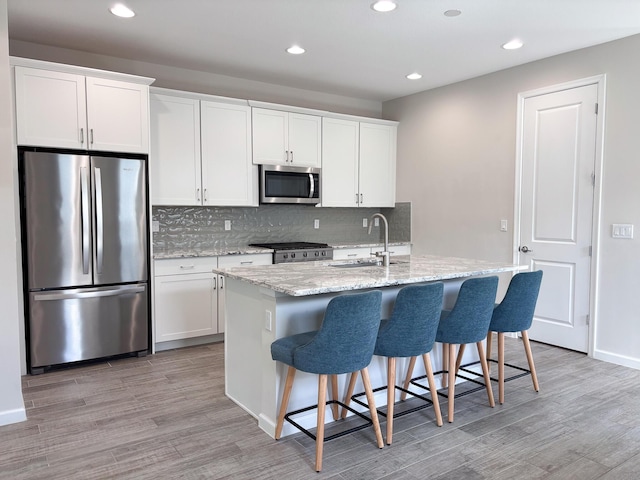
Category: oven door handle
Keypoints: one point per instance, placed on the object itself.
(312, 183)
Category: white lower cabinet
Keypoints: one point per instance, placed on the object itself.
(186, 298)
(189, 297)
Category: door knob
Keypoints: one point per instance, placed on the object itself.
(525, 249)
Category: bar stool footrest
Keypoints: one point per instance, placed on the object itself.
(335, 435)
(507, 379)
(428, 401)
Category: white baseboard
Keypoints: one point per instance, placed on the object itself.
(618, 359)
(13, 416)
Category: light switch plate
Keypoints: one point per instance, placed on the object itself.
(503, 225)
(227, 224)
(376, 222)
(316, 223)
(622, 230)
(365, 223)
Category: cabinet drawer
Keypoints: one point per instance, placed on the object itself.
(351, 253)
(178, 266)
(245, 260)
(395, 249)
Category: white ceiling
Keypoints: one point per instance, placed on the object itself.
(351, 50)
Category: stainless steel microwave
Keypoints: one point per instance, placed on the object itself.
(286, 184)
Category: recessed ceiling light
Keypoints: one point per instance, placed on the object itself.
(452, 13)
(414, 76)
(295, 50)
(512, 45)
(119, 10)
(384, 6)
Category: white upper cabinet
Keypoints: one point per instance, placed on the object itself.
(340, 153)
(377, 172)
(228, 174)
(201, 152)
(69, 110)
(358, 164)
(174, 164)
(286, 138)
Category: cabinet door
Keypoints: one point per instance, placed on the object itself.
(50, 108)
(174, 162)
(117, 116)
(228, 174)
(185, 306)
(377, 165)
(305, 136)
(270, 134)
(339, 163)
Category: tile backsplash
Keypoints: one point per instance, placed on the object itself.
(204, 227)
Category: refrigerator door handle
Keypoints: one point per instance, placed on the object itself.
(84, 210)
(99, 221)
(41, 297)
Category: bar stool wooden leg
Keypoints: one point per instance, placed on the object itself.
(372, 406)
(459, 357)
(350, 388)
(527, 349)
(489, 340)
(322, 403)
(391, 396)
(426, 358)
(407, 380)
(334, 396)
(485, 373)
(445, 364)
(452, 379)
(291, 373)
(501, 367)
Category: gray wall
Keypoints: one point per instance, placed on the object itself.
(11, 403)
(456, 164)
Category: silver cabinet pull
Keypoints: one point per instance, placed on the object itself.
(249, 262)
(361, 199)
(187, 267)
(291, 155)
(205, 195)
(197, 194)
(221, 278)
(357, 201)
(215, 283)
(91, 136)
(81, 136)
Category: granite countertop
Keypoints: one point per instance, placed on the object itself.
(311, 278)
(162, 253)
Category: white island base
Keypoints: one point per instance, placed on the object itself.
(256, 316)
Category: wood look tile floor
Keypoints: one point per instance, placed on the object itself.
(166, 416)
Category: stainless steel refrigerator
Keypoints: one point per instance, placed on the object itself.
(85, 255)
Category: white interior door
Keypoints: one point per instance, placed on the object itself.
(558, 161)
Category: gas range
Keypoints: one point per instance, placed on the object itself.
(297, 251)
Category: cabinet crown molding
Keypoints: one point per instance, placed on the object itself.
(74, 69)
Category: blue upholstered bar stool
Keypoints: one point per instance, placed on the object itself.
(515, 314)
(343, 344)
(467, 322)
(409, 332)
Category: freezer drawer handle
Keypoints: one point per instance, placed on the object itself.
(101, 293)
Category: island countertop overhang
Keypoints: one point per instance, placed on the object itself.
(313, 278)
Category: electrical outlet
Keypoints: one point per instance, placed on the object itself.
(365, 223)
(267, 320)
(227, 224)
(155, 226)
(316, 223)
(376, 222)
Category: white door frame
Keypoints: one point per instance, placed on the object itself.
(600, 81)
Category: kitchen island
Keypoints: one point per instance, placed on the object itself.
(269, 302)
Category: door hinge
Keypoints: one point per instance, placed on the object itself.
(596, 109)
(593, 179)
(588, 319)
(590, 250)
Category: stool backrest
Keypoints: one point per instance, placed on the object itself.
(515, 312)
(412, 328)
(346, 337)
(468, 322)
